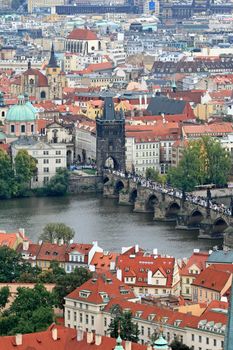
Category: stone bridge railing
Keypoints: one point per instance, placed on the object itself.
(167, 204)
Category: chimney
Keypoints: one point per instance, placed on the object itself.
(54, 333)
(136, 248)
(89, 337)
(18, 339)
(128, 345)
(25, 245)
(79, 334)
(22, 232)
(55, 241)
(98, 339)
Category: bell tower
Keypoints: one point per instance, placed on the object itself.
(53, 73)
(110, 138)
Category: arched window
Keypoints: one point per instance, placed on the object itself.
(23, 128)
(31, 81)
(32, 128)
(3, 113)
(42, 94)
(12, 128)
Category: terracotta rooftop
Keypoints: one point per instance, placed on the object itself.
(82, 34)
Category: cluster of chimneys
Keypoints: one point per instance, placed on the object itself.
(92, 338)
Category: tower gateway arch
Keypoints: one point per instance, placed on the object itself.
(110, 138)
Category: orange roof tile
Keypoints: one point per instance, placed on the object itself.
(82, 34)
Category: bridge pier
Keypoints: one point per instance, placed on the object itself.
(124, 198)
(182, 223)
(109, 191)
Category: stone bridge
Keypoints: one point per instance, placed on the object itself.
(165, 207)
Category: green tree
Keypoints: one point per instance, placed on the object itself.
(12, 265)
(58, 185)
(4, 296)
(25, 168)
(65, 284)
(177, 345)
(56, 231)
(123, 321)
(152, 174)
(6, 175)
(204, 161)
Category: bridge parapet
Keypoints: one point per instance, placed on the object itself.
(167, 205)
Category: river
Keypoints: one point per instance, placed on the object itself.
(97, 218)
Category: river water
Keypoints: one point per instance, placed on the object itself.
(97, 218)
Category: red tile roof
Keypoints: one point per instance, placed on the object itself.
(217, 128)
(198, 259)
(99, 284)
(140, 265)
(50, 252)
(212, 278)
(42, 79)
(82, 34)
(66, 340)
(102, 260)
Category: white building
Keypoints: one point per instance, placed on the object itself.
(49, 158)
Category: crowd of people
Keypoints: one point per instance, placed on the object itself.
(202, 201)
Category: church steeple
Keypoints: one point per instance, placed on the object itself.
(52, 61)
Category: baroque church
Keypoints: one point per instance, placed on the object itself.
(38, 85)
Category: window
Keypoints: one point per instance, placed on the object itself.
(193, 337)
(12, 128)
(207, 341)
(32, 128)
(142, 330)
(46, 179)
(58, 153)
(200, 339)
(92, 320)
(87, 319)
(68, 315)
(148, 332)
(105, 321)
(46, 153)
(75, 316)
(46, 161)
(81, 317)
(46, 170)
(215, 342)
(23, 128)
(58, 161)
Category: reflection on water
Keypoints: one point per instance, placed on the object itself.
(97, 218)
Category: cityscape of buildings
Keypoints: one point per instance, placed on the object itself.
(115, 95)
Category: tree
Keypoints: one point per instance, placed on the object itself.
(25, 168)
(4, 296)
(58, 185)
(12, 265)
(56, 231)
(204, 162)
(65, 284)
(6, 175)
(152, 174)
(123, 321)
(177, 345)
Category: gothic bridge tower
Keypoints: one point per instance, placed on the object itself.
(110, 138)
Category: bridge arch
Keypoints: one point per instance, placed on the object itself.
(111, 163)
(119, 185)
(195, 217)
(173, 209)
(219, 226)
(151, 201)
(133, 195)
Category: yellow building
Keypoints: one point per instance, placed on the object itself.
(33, 4)
(203, 111)
(94, 109)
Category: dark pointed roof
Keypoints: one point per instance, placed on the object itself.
(109, 111)
(52, 61)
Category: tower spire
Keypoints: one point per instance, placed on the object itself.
(52, 61)
(228, 341)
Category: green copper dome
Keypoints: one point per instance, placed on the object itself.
(21, 112)
(160, 343)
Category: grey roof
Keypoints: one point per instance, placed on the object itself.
(109, 111)
(221, 256)
(162, 104)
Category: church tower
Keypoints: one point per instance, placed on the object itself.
(54, 76)
(110, 138)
